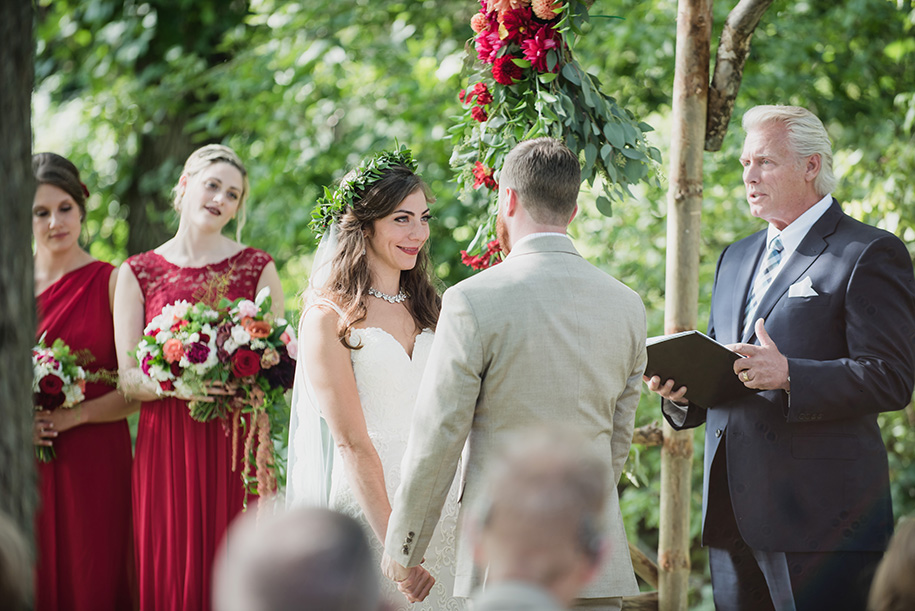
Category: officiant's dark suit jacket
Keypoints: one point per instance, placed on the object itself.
(807, 471)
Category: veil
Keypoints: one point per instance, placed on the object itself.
(311, 447)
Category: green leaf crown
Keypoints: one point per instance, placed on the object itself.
(355, 184)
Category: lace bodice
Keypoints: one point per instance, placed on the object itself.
(163, 283)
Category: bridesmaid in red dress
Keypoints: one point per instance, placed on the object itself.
(82, 525)
(185, 491)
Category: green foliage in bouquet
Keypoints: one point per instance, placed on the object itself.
(527, 84)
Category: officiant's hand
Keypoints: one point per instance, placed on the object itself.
(765, 368)
(417, 585)
(666, 390)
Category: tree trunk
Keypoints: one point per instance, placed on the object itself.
(733, 49)
(684, 207)
(17, 325)
(161, 155)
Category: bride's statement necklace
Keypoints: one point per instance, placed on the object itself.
(400, 297)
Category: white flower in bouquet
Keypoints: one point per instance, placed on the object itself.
(240, 336)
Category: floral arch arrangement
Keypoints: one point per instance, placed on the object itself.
(527, 84)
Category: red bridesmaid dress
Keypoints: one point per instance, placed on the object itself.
(185, 491)
(82, 526)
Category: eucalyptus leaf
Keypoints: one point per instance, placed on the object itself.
(604, 205)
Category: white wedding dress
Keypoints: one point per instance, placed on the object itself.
(387, 380)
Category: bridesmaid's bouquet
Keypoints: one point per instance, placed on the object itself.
(234, 360)
(178, 349)
(58, 382)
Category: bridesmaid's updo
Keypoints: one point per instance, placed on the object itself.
(52, 169)
(204, 157)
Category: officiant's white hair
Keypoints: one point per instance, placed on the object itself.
(306, 558)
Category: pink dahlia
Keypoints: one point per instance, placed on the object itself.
(536, 48)
(505, 71)
(488, 45)
(546, 9)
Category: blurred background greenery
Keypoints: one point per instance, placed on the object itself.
(302, 90)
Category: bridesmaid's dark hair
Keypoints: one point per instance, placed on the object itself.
(350, 277)
(52, 169)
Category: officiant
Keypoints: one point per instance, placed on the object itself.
(796, 499)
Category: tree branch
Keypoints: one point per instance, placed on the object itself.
(733, 49)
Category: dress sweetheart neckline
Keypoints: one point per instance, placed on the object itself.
(410, 354)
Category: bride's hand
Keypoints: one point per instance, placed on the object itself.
(417, 585)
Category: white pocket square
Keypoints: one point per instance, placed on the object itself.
(804, 288)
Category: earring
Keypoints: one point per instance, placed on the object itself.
(363, 251)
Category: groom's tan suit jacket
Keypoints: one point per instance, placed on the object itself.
(543, 337)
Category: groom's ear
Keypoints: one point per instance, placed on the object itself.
(511, 202)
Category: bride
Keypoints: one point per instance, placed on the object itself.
(365, 334)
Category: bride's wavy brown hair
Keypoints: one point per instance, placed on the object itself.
(350, 277)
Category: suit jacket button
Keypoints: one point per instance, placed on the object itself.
(411, 534)
(406, 550)
(717, 432)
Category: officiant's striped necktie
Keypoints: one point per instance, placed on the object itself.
(763, 280)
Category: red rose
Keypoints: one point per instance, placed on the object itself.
(167, 385)
(245, 363)
(478, 113)
(51, 384)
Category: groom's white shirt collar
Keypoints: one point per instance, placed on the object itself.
(540, 234)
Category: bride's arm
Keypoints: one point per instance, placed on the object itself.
(330, 372)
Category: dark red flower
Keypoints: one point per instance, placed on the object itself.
(505, 71)
(482, 261)
(175, 369)
(245, 363)
(518, 23)
(167, 385)
(49, 401)
(478, 113)
(484, 176)
(51, 384)
(197, 352)
(282, 374)
(461, 95)
(481, 91)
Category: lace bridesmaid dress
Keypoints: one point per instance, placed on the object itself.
(185, 489)
(82, 526)
(387, 380)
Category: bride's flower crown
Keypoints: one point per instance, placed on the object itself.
(331, 206)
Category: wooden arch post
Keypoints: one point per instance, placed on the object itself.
(684, 209)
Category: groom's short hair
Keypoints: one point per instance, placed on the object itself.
(305, 558)
(547, 488)
(546, 175)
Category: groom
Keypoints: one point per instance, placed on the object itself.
(543, 337)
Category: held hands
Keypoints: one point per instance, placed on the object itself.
(414, 582)
(765, 368)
